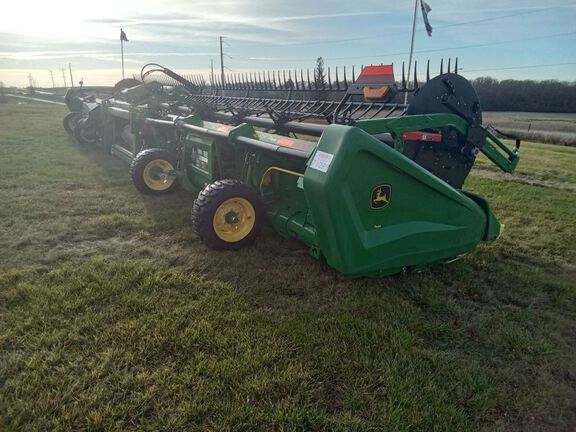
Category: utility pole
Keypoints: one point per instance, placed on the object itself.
(221, 61)
(71, 80)
(411, 49)
(52, 76)
(64, 77)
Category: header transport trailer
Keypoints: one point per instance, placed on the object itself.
(375, 188)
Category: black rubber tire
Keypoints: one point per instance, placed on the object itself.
(140, 162)
(70, 121)
(83, 134)
(208, 202)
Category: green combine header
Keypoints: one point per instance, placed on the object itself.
(370, 184)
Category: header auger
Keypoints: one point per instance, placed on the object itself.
(374, 189)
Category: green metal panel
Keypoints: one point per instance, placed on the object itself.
(415, 220)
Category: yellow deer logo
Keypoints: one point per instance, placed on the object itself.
(381, 196)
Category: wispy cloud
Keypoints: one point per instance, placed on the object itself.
(277, 34)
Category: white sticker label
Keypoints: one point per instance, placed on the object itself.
(321, 161)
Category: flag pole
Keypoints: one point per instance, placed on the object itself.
(122, 51)
(411, 48)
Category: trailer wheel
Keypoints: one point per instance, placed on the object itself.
(152, 171)
(70, 121)
(84, 133)
(228, 215)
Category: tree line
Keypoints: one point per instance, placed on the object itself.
(526, 95)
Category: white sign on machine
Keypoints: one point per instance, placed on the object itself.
(321, 161)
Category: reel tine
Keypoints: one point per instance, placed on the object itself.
(284, 77)
(329, 79)
(345, 79)
(449, 59)
(290, 82)
(403, 77)
(302, 84)
(308, 74)
(456, 66)
(337, 80)
(441, 66)
(428, 70)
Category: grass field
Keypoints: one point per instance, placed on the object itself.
(114, 317)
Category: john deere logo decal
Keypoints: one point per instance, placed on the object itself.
(381, 196)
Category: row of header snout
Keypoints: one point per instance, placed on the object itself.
(333, 79)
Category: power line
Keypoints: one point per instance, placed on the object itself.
(419, 51)
(521, 67)
(461, 46)
(336, 41)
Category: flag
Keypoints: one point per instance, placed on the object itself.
(123, 36)
(425, 9)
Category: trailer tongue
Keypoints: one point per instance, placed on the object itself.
(380, 191)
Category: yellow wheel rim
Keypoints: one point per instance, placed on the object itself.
(158, 175)
(234, 219)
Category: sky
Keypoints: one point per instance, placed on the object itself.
(520, 39)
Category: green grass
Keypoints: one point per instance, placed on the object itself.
(114, 317)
